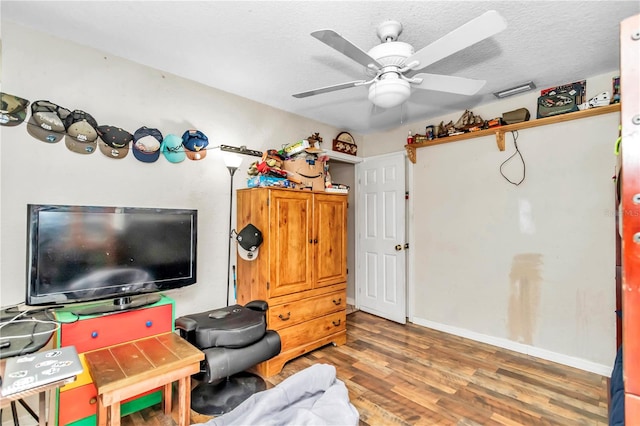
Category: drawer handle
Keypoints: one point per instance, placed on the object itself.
(337, 323)
(149, 323)
(93, 400)
(94, 334)
(283, 318)
(337, 302)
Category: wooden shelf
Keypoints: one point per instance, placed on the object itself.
(500, 131)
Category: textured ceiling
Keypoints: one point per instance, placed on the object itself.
(263, 51)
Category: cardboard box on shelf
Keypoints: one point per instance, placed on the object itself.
(307, 170)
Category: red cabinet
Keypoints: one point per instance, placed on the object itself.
(77, 400)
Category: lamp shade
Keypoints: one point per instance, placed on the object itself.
(389, 93)
(231, 160)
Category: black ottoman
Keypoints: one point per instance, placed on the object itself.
(233, 339)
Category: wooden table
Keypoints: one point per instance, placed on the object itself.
(123, 371)
(41, 391)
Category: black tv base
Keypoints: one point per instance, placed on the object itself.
(119, 304)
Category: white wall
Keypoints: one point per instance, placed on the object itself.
(530, 267)
(470, 226)
(122, 93)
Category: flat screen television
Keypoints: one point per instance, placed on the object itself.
(88, 253)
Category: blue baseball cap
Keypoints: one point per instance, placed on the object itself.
(195, 143)
(146, 144)
(173, 149)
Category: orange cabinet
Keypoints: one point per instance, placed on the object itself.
(301, 268)
(77, 400)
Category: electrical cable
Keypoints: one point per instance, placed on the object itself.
(14, 319)
(33, 333)
(514, 134)
(30, 342)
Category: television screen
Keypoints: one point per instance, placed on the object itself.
(84, 253)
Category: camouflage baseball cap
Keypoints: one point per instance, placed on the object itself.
(13, 109)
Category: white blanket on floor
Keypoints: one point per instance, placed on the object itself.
(313, 396)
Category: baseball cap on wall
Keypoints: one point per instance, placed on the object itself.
(114, 141)
(82, 136)
(172, 148)
(195, 143)
(13, 109)
(146, 144)
(249, 240)
(47, 121)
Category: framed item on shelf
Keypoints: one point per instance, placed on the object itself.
(561, 99)
(345, 143)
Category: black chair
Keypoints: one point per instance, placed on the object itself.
(233, 339)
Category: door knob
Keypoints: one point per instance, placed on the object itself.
(398, 247)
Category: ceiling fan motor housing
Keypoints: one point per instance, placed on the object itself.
(392, 53)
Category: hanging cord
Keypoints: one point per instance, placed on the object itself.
(514, 134)
(47, 312)
(51, 324)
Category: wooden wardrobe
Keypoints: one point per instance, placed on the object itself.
(300, 270)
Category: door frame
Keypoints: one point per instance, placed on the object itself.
(409, 237)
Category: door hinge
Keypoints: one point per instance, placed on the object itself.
(347, 271)
(268, 286)
(268, 202)
(406, 195)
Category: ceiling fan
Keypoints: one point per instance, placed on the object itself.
(395, 68)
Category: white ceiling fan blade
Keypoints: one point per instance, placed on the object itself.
(344, 46)
(328, 89)
(449, 83)
(478, 29)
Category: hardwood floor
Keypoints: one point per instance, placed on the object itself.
(411, 375)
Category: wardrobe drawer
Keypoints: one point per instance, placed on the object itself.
(303, 333)
(108, 330)
(288, 314)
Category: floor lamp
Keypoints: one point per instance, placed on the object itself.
(232, 161)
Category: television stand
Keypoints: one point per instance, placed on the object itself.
(119, 304)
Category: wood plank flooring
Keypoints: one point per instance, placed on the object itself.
(411, 375)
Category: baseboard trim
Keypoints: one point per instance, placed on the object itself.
(351, 301)
(603, 370)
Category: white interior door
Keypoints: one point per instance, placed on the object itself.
(380, 237)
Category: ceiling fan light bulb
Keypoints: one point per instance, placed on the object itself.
(389, 93)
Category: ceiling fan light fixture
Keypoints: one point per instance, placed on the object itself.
(516, 90)
(389, 93)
